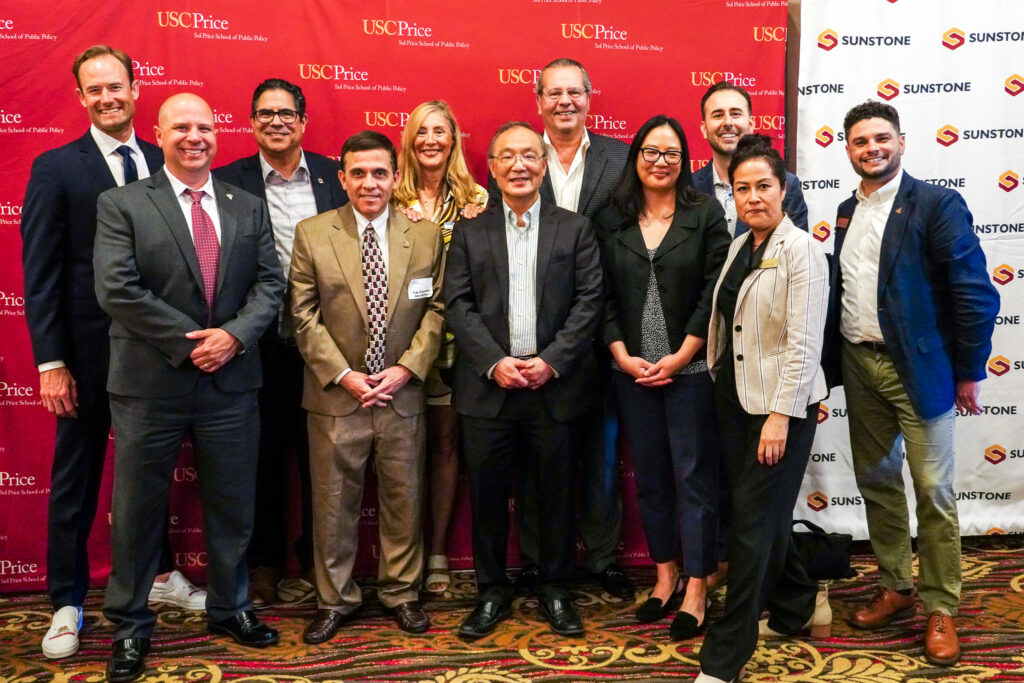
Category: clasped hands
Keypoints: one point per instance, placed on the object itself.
(377, 389)
(516, 373)
(215, 348)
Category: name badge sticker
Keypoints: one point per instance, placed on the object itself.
(769, 263)
(421, 288)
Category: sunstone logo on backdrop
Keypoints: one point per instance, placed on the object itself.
(953, 38)
(829, 39)
(999, 365)
(1008, 181)
(948, 135)
(1014, 84)
(817, 501)
(995, 454)
(825, 136)
(889, 88)
(822, 231)
(822, 412)
(177, 19)
(1003, 274)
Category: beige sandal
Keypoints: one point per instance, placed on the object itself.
(438, 580)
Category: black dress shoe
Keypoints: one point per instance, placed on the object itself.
(246, 629)
(484, 618)
(527, 581)
(410, 617)
(562, 617)
(127, 659)
(684, 626)
(323, 626)
(654, 609)
(615, 583)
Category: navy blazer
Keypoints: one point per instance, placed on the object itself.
(793, 203)
(936, 305)
(247, 174)
(601, 170)
(58, 224)
(568, 308)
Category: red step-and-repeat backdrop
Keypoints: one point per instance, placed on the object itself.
(361, 65)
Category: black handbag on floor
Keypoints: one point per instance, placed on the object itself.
(826, 556)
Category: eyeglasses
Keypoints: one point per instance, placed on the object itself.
(267, 115)
(509, 159)
(651, 155)
(573, 93)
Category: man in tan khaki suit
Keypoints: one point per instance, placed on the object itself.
(365, 296)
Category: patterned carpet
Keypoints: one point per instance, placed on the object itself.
(522, 649)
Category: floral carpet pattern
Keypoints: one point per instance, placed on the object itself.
(614, 648)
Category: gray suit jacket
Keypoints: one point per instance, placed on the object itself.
(149, 283)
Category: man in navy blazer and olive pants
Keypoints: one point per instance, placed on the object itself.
(913, 311)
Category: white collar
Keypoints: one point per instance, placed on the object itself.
(180, 187)
(268, 169)
(584, 143)
(884, 193)
(108, 145)
(380, 223)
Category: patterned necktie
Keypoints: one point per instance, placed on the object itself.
(207, 249)
(375, 282)
(131, 173)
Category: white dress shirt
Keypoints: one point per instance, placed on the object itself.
(862, 251)
(289, 202)
(115, 162)
(209, 202)
(567, 185)
(522, 279)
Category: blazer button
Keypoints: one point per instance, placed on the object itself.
(739, 328)
(739, 356)
(202, 300)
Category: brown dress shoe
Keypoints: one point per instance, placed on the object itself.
(323, 626)
(883, 608)
(410, 617)
(263, 586)
(941, 646)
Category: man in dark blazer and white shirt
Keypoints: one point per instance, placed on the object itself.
(68, 329)
(186, 269)
(726, 117)
(582, 170)
(910, 324)
(524, 370)
(296, 184)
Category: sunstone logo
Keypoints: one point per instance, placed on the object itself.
(395, 27)
(1008, 181)
(947, 135)
(822, 231)
(1014, 84)
(593, 32)
(995, 454)
(1003, 274)
(989, 410)
(998, 365)
(331, 72)
(817, 501)
(825, 136)
(829, 39)
(514, 76)
(888, 89)
(822, 412)
(820, 184)
(953, 38)
(984, 495)
(997, 37)
(176, 19)
(822, 89)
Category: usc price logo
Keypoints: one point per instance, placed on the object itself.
(191, 559)
(1009, 181)
(828, 39)
(175, 19)
(386, 119)
(822, 231)
(888, 89)
(392, 27)
(817, 501)
(770, 34)
(999, 365)
(515, 76)
(953, 38)
(1014, 84)
(825, 136)
(947, 135)
(592, 32)
(1003, 274)
(995, 454)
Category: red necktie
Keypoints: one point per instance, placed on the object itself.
(375, 282)
(207, 249)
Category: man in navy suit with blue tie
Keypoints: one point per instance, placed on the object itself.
(913, 311)
(69, 330)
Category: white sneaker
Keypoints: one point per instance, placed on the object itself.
(178, 590)
(61, 639)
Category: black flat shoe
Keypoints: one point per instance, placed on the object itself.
(684, 625)
(127, 659)
(654, 609)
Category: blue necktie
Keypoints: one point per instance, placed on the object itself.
(131, 172)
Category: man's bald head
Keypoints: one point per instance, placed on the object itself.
(187, 134)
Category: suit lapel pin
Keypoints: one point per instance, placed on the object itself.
(405, 244)
(899, 209)
(320, 180)
(229, 195)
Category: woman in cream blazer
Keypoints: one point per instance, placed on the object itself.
(764, 351)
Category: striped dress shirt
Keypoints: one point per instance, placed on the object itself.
(522, 280)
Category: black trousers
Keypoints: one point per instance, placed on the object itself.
(79, 453)
(149, 431)
(523, 441)
(282, 430)
(764, 568)
(673, 439)
(597, 469)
